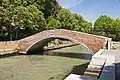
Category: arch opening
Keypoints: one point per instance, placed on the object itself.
(43, 46)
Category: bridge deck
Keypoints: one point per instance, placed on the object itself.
(95, 67)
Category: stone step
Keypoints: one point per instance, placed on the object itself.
(95, 67)
(79, 77)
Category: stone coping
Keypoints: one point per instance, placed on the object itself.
(79, 77)
(108, 72)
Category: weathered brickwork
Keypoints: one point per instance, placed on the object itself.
(94, 43)
(8, 47)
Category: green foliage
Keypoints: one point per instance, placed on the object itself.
(73, 21)
(53, 23)
(107, 26)
(66, 19)
(21, 18)
(51, 8)
(25, 20)
(29, 18)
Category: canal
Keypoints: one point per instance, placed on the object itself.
(52, 65)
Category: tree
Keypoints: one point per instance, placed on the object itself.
(29, 18)
(21, 18)
(81, 24)
(6, 12)
(117, 29)
(107, 26)
(51, 8)
(66, 19)
(15, 18)
(53, 23)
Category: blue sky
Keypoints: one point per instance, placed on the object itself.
(91, 9)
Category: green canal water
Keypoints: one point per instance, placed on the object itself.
(43, 67)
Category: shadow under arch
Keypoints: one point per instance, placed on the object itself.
(40, 43)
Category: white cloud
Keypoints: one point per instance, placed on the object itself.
(75, 4)
(69, 3)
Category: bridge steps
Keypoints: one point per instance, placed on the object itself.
(108, 71)
(95, 67)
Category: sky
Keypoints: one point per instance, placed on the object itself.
(92, 9)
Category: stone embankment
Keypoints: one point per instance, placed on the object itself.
(8, 47)
(110, 70)
(57, 43)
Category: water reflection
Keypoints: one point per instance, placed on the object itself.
(70, 55)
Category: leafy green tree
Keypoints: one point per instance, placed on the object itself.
(86, 27)
(40, 4)
(21, 18)
(53, 23)
(66, 18)
(29, 18)
(103, 24)
(81, 24)
(117, 29)
(51, 8)
(6, 12)
(15, 18)
(3, 19)
(107, 26)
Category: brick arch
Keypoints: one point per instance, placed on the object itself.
(41, 42)
(93, 42)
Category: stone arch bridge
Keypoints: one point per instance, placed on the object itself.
(91, 42)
